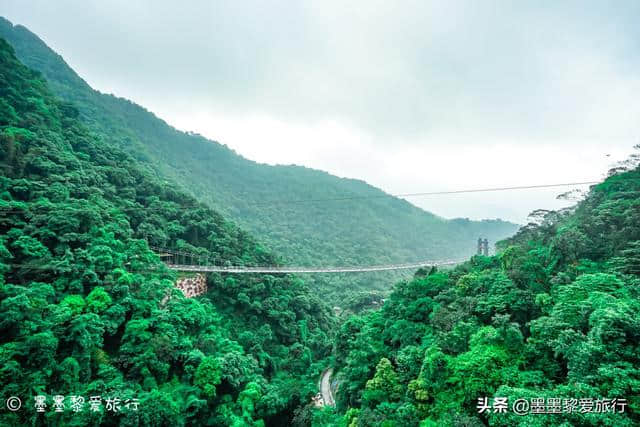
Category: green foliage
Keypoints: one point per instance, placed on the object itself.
(75, 303)
(383, 386)
(86, 307)
(208, 376)
(553, 315)
(98, 300)
(265, 199)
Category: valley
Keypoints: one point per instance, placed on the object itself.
(149, 265)
(369, 228)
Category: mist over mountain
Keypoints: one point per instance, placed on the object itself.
(143, 282)
(285, 206)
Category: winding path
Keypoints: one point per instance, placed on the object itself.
(325, 388)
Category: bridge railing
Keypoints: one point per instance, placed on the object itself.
(279, 269)
(202, 264)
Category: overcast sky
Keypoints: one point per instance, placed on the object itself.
(409, 96)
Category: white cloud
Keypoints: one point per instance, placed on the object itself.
(410, 96)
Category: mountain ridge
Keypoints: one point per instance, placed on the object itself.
(379, 229)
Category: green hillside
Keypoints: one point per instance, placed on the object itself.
(89, 182)
(87, 309)
(262, 198)
(554, 315)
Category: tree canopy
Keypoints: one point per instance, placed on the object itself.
(272, 202)
(88, 309)
(554, 315)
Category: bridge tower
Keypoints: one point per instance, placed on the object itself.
(483, 246)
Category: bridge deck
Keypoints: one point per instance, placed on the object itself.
(240, 269)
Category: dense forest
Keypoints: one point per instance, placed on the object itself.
(265, 199)
(87, 309)
(91, 183)
(554, 315)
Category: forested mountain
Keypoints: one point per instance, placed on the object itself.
(360, 231)
(554, 315)
(88, 184)
(87, 309)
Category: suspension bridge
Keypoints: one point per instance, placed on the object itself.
(176, 260)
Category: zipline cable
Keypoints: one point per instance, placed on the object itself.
(347, 197)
